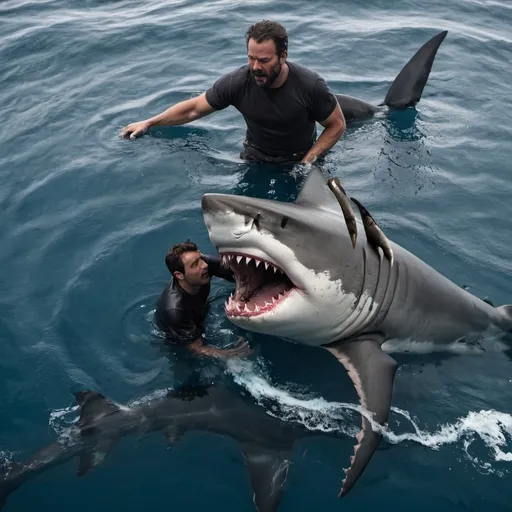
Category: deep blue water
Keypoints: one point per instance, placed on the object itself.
(87, 218)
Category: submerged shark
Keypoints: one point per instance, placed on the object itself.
(303, 273)
(266, 441)
(406, 89)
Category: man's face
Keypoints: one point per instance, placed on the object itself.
(264, 63)
(196, 269)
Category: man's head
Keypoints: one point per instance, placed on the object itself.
(267, 49)
(185, 263)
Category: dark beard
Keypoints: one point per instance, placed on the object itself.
(271, 77)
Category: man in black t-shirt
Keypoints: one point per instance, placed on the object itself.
(183, 305)
(281, 103)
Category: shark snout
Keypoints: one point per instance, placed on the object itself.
(211, 203)
(225, 204)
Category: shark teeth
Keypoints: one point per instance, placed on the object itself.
(236, 308)
(250, 307)
(237, 259)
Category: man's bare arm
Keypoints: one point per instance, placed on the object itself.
(334, 128)
(180, 113)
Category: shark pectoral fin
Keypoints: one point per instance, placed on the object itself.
(172, 433)
(268, 471)
(372, 372)
(94, 456)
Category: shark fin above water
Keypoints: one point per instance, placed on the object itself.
(406, 89)
(372, 371)
(93, 405)
(408, 86)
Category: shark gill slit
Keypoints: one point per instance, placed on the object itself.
(379, 299)
(386, 304)
(350, 320)
(376, 303)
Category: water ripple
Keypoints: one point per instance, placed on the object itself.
(87, 216)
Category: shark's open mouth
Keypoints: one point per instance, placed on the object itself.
(260, 285)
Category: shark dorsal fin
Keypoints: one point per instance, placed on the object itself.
(316, 193)
(407, 88)
(93, 405)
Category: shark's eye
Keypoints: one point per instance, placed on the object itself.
(284, 221)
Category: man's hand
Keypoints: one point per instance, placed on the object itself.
(135, 129)
(241, 349)
(334, 126)
(181, 113)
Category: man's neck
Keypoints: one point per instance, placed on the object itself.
(281, 78)
(191, 290)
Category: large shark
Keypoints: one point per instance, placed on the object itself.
(406, 89)
(266, 441)
(303, 273)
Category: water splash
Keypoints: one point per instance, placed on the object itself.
(62, 420)
(492, 427)
(7, 463)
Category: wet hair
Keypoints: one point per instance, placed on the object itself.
(265, 30)
(173, 256)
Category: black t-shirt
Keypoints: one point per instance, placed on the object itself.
(280, 121)
(181, 315)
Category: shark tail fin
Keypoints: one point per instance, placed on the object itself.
(505, 316)
(5, 490)
(8, 482)
(407, 88)
(92, 407)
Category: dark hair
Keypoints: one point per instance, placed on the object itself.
(264, 30)
(173, 256)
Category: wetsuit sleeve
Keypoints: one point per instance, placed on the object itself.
(178, 326)
(216, 269)
(222, 93)
(323, 101)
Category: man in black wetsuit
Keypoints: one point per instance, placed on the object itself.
(281, 102)
(182, 306)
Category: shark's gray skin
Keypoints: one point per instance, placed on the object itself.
(307, 283)
(406, 89)
(266, 441)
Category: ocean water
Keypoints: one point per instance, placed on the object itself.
(86, 219)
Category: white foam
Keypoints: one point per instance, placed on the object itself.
(61, 421)
(6, 462)
(492, 427)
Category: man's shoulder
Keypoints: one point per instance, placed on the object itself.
(304, 74)
(239, 74)
(171, 300)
